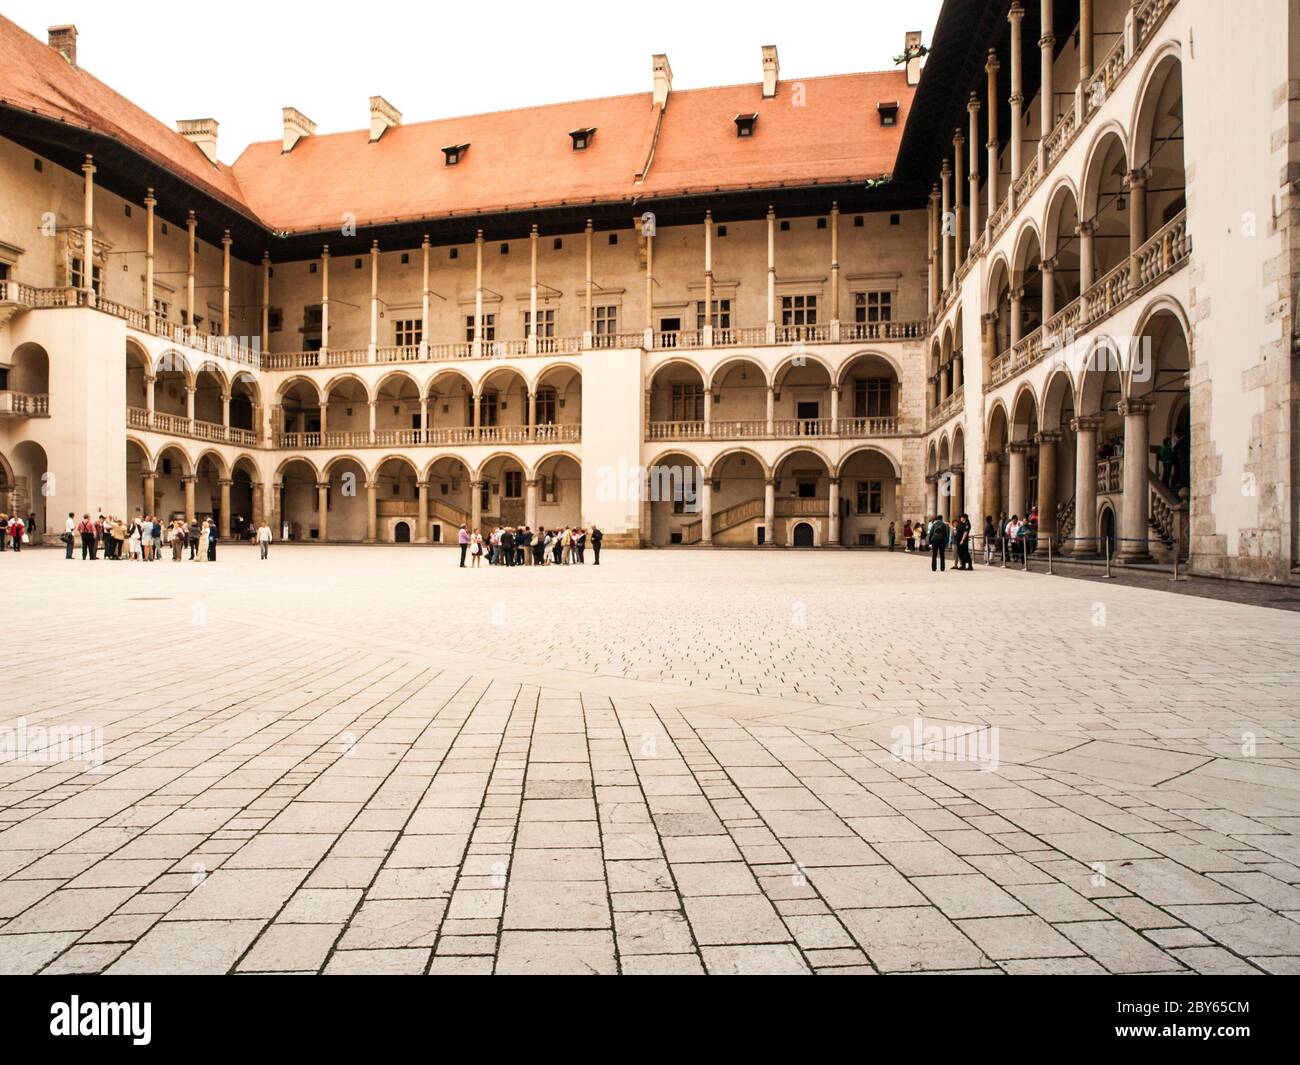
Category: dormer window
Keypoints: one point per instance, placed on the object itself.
(888, 110)
(452, 153)
(745, 125)
(582, 137)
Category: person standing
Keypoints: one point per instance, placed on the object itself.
(192, 533)
(212, 541)
(463, 538)
(263, 539)
(16, 529)
(963, 543)
(508, 545)
(69, 534)
(476, 550)
(893, 535)
(178, 540)
(580, 545)
(938, 544)
(596, 537)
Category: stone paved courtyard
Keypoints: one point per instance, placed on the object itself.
(354, 760)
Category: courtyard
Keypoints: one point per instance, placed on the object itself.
(366, 760)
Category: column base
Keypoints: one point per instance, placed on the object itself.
(1141, 557)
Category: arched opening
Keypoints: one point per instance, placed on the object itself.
(31, 488)
(869, 396)
(803, 491)
(1022, 459)
(868, 499)
(557, 404)
(1109, 531)
(27, 380)
(1158, 146)
(804, 535)
(451, 409)
(299, 414)
(1061, 251)
(171, 385)
(297, 501)
(559, 493)
(676, 402)
(397, 497)
(137, 373)
(995, 465)
(997, 335)
(802, 398)
(675, 496)
(449, 498)
(243, 505)
(1107, 195)
(244, 394)
(1057, 448)
(1027, 281)
(501, 492)
(344, 420)
(207, 490)
(209, 390)
(171, 468)
(398, 410)
(138, 474)
(737, 493)
(346, 508)
(503, 406)
(739, 389)
(401, 533)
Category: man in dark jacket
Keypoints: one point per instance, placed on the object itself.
(508, 546)
(596, 537)
(938, 544)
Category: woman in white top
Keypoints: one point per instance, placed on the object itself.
(134, 542)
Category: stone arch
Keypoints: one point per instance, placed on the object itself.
(278, 476)
(294, 382)
(749, 453)
(508, 456)
(868, 449)
(1024, 413)
(732, 362)
(217, 459)
(1058, 401)
(1157, 144)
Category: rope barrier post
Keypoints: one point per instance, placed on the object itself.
(1178, 540)
(1024, 554)
(1049, 556)
(1004, 552)
(1108, 575)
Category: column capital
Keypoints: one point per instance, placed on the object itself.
(322, 485)
(958, 468)
(1087, 423)
(958, 140)
(1046, 41)
(989, 317)
(1020, 447)
(934, 193)
(1085, 228)
(833, 482)
(1047, 266)
(1017, 295)
(1016, 13)
(225, 238)
(1135, 407)
(1016, 99)
(190, 219)
(371, 486)
(149, 475)
(1048, 436)
(973, 103)
(1137, 176)
(188, 478)
(993, 457)
(991, 65)
(374, 247)
(88, 165)
(225, 482)
(931, 478)
(945, 171)
(149, 199)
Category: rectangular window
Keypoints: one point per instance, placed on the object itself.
(489, 408)
(514, 484)
(873, 307)
(605, 321)
(545, 323)
(719, 319)
(408, 332)
(873, 398)
(870, 497)
(550, 489)
(489, 327)
(798, 310)
(162, 309)
(688, 403)
(96, 278)
(546, 406)
(807, 488)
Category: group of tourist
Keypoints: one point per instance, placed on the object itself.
(1011, 537)
(14, 531)
(514, 546)
(140, 539)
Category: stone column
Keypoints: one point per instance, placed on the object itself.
(1085, 40)
(259, 503)
(959, 197)
(989, 340)
(973, 108)
(1047, 501)
(225, 412)
(1137, 211)
(945, 234)
(88, 232)
(476, 346)
(769, 512)
(590, 326)
(835, 270)
(532, 291)
(149, 381)
(1046, 101)
(476, 403)
(266, 301)
(706, 511)
(931, 251)
(223, 524)
(324, 301)
(707, 329)
(992, 487)
(374, 419)
(225, 284)
(1135, 528)
(1015, 16)
(190, 390)
(833, 537)
(191, 226)
(532, 414)
(374, 300)
(422, 515)
(1085, 486)
(991, 67)
(708, 412)
(931, 496)
(1048, 268)
(530, 503)
(372, 511)
(188, 482)
(323, 509)
(957, 489)
(771, 411)
(150, 203)
(149, 480)
(1085, 232)
(1018, 486)
(1016, 323)
(771, 275)
(835, 410)
(475, 504)
(425, 306)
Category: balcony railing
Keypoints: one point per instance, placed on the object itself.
(467, 434)
(950, 406)
(1159, 257)
(179, 425)
(1110, 476)
(777, 429)
(24, 405)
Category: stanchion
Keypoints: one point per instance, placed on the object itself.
(1178, 541)
(1049, 556)
(1108, 575)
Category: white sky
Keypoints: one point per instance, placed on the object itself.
(241, 61)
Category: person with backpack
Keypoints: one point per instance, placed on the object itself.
(596, 537)
(938, 544)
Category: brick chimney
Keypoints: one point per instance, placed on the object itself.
(663, 80)
(771, 70)
(382, 116)
(63, 39)
(200, 131)
(296, 126)
(912, 39)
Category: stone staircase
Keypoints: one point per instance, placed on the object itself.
(727, 518)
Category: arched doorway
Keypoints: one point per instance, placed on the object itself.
(401, 533)
(804, 536)
(1108, 531)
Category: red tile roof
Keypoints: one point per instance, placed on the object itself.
(35, 78)
(815, 130)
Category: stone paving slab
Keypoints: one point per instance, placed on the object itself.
(366, 760)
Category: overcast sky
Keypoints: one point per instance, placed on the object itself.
(240, 61)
